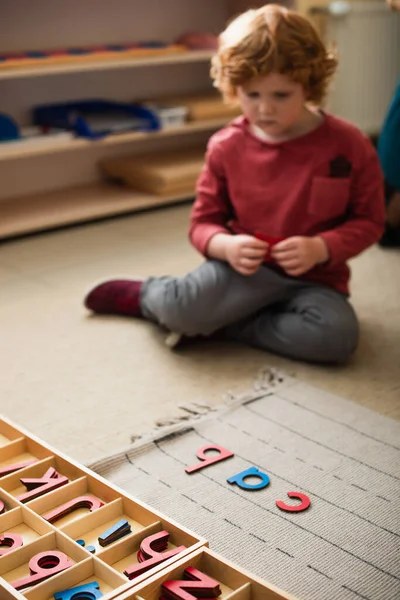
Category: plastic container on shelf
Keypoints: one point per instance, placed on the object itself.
(169, 116)
(95, 119)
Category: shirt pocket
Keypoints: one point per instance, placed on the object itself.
(329, 196)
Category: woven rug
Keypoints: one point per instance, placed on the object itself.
(343, 456)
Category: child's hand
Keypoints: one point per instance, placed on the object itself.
(245, 253)
(297, 255)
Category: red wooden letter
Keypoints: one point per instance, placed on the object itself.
(199, 584)
(82, 502)
(15, 467)
(223, 453)
(149, 557)
(42, 566)
(305, 502)
(50, 481)
(10, 541)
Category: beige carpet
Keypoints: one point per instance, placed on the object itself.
(86, 385)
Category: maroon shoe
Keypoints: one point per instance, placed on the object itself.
(116, 297)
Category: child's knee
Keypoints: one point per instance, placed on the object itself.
(331, 328)
(340, 339)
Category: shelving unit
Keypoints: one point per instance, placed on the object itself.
(38, 212)
(52, 170)
(56, 182)
(25, 149)
(191, 56)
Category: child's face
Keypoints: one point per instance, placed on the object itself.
(273, 102)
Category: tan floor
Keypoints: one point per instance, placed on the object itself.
(86, 384)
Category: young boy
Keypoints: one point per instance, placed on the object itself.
(287, 195)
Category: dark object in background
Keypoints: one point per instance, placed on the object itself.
(9, 130)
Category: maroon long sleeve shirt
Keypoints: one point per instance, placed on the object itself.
(327, 183)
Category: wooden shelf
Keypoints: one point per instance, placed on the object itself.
(39, 212)
(106, 64)
(25, 149)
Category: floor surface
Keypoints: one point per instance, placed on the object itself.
(87, 384)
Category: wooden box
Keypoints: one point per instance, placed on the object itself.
(32, 523)
(107, 566)
(204, 106)
(234, 582)
(160, 173)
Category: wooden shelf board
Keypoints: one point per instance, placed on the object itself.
(106, 64)
(19, 216)
(25, 149)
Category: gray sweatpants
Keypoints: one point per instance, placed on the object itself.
(267, 310)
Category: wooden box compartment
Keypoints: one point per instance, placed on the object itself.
(16, 565)
(86, 572)
(84, 487)
(8, 433)
(7, 502)
(124, 553)
(139, 518)
(17, 455)
(13, 485)
(21, 522)
(234, 583)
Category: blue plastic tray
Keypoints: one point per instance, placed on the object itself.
(95, 119)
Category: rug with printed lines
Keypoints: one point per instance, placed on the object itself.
(346, 458)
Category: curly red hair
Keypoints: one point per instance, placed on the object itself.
(272, 39)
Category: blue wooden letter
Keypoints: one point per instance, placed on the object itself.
(89, 591)
(114, 533)
(239, 479)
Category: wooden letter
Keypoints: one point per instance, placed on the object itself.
(115, 532)
(50, 481)
(15, 467)
(209, 460)
(42, 566)
(149, 557)
(305, 503)
(239, 479)
(88, 591)
(199, 584)
(10, 541)
(81, 502)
